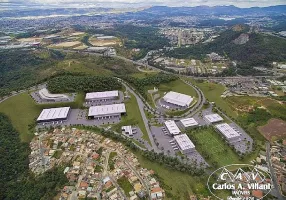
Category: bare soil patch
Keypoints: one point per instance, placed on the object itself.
(274, 129)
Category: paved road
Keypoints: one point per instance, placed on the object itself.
(275, 191)
(145, 120)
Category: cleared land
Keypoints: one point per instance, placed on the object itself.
(213, 148)
(246, 103)
(66, 44)
(274, 129)
(101, 42)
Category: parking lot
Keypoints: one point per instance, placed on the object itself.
(79, 117)
(37, 98)
(169, 146)
(164, 106)
(244, 145)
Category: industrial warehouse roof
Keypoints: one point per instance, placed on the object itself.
(189, 122)
(53, 114)
(227, 130)
(172, 127)
(212, 118)
(45, 94)
(127, 129)
(184, 142)
(101, 95)
(106, 110)
(178, 98)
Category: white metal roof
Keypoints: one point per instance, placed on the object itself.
(127, 129)
(54, 114)
(172, 127)
(227, 130)
(178, 98)
(213, 118)
(45, 94)
(189, 122)
(100, 95)
(106, 110)
(184, 142)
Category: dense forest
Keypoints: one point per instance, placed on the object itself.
(154, 80)
(84, 83)
(260, 50)
(21, 69)
(16, 181)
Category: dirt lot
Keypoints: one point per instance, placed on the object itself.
(100, 43)
(274, 129)
(67, 44)
(31, 39)
(77, 33)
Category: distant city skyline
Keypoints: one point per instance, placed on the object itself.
(138, 3)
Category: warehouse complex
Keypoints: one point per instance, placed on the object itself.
(46, 95)
(106, 111)
(184, 143)
(228, 132)
(178, 99)
(102, 96)
(54, 114)
(189, 123)
(172, 127)
(213, 118)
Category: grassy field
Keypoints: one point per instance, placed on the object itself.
(125, 185)
(176, 86)
(212, 92)
(208, 142)
(22, 111)
(178, 184)
(133, 117)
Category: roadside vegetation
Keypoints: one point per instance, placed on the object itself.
(133, 117)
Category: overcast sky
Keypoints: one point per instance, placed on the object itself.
(238, 3)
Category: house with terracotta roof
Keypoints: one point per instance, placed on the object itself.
(257, 193)
(157, 193)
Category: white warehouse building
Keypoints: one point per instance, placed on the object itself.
(172, 127)
(213, 118)
(54, 114)
(106, 111)
(178, 99)
(102, 96)
(228, 132)
(189, 123)
(184, 143)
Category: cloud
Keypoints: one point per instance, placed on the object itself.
(239, 3)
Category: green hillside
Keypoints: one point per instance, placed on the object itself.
(21, 69)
